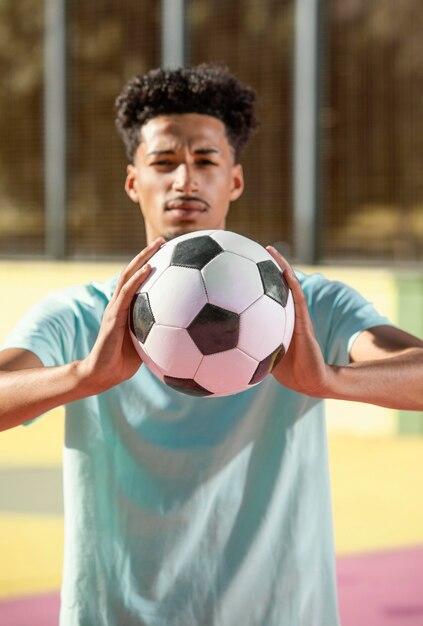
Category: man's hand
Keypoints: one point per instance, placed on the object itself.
(386, 365)
(302, 368)
(113, 358)
(28, 389)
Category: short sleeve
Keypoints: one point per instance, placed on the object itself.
(339, 313)
(48, 330)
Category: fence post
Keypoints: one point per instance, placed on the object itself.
(55, 127)
(173, 34)
(306, 139)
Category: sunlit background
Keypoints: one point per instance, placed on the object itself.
(344, 198)
(371, 77)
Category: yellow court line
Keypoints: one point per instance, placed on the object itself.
(31, 549)
(39, 444)
(377, 491)
(20, 294)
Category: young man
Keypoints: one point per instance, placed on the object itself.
(182, 511)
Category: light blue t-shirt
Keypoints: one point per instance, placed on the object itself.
(184, 511)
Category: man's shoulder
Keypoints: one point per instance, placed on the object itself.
(79, 301)
(324, 295)
(92, 293)
(316, 282)
(308, 279)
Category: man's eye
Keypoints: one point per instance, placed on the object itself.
(163, 163)
(206, 162)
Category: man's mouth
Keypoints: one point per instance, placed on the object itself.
(186, 205)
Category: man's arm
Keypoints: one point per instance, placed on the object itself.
(386, 363)
(27, 389)
(386, 369)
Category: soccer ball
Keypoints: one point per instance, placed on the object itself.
(215, 314)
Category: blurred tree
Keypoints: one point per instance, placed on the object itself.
(371, 119)
(109, 42)
(21, 128)
(254, 39)
(375, 131)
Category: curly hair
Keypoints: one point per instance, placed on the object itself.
(205, 89)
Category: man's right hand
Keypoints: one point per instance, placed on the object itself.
(27, 389)
(113, 358)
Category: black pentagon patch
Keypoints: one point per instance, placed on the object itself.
(214, 329)
(265, 367)
(141, 316)
(186, 385)
(274, 284)
(195, 252)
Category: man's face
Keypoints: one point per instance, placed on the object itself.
(184, 175)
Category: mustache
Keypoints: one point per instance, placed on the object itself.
(184, 198)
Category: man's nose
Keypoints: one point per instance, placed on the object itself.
(185, 181)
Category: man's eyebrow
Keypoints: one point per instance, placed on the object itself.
(206, 151)
(198, 151)
(155, 152)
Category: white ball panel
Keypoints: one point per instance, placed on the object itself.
(290, 321)
(241, 245)
(173, 351)
(226, 372)
(180, 312)
(152, 367)
(159, 263)
(145, 357)
(232, 282)
(262, 328)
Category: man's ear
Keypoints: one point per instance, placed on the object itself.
(237, 182)
(131, 183)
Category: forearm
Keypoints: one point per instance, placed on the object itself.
(395, 382)
(28, 393)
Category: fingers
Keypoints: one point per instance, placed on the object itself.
(144, 255)
(136, 265)
(141, 258)
(129, 289)
(300, 303)
(288, 272)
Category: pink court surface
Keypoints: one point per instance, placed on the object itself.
(378, 519)
(374, 590)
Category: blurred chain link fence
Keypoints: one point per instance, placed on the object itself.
(372, 128)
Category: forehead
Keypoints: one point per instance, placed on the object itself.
(186, 130)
